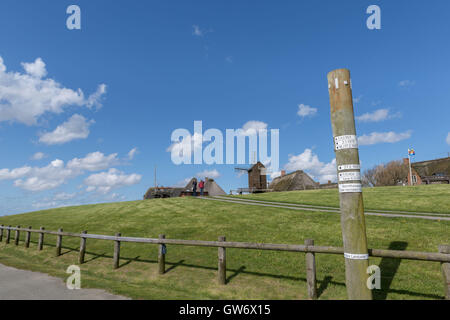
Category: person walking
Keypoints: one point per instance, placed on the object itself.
(201, 185)
(194, 187)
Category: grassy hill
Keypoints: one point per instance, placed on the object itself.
(251, 274)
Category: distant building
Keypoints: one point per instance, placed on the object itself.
(297, 180)
(429, 172)
(211, 189)
(257, 177)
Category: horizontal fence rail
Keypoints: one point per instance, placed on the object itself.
(443, 256)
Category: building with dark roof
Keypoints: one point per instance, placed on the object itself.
(429, 172)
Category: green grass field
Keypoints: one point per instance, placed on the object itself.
(251, 274)
(432, 198)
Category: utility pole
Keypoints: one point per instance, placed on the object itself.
(350, 188)
(155, 177)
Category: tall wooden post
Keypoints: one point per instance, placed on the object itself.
(446, 271)
(28, 238)
(311, 271)
(59, 243)
(162, 256)
(117, 252)
(82, 248)
(350, 188)
(8, 235)
(1, 233)
(222, 272)
(17, 236)
(41, 239)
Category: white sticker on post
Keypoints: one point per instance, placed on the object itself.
(350, 187)
(349, 176)
(355, 256)
(349, 167)
(346, 142)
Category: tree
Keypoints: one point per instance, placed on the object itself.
(390, 174)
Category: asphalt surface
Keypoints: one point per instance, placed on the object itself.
(299, 207)
(18, 284)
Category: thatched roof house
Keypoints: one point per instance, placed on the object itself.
(211, 187)
(297, 180)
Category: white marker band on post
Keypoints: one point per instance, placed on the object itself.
(349, 176)
(349, 167)
(355, 256)
(346, 142)
(350, 187)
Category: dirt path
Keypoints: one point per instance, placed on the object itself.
(18, 284)
(426, 216)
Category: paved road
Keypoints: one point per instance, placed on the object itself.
(426, 216)
(26, 285)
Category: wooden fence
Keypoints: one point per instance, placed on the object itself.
(308, 248)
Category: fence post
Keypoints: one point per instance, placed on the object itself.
(311, 271)
(446, 271)
(1, 233)
(41, 239)
(59, 243)
(162, 256)
(8, 235)
(350, 189)
(82, 248)
(17, 236)
(28, 238)
(117, 252)
(222, 273)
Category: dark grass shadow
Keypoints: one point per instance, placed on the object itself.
(235, 274)
(174, 265)
(323, 285)
(389, 268)
(128, 261)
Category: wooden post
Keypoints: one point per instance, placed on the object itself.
(8, 235)
(446, 271)
(17, 236)
(311, 271)
(350, 189)
(222, 272)
(1, 233)
(162, 256)
(28, 238)
(41, 239)
(59, 243)
(117, 252)
(82, 248)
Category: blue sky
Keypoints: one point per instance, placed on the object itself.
(75, 103)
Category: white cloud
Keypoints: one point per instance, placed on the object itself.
(104, 182)
(377, 116)
(448, 139)
(200, 32)
(383, 137)
(306, 111)
(132, 153)
(213, 174)
(252, 127)
(55, 174)
(63, 196)
(46, 178)
(38, 156)
(406, 83)
(190, 142)
(25, 97)
(77, 127)
(36, 69)
(94, 161)
(310, 163)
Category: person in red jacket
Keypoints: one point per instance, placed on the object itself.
(201, 185)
